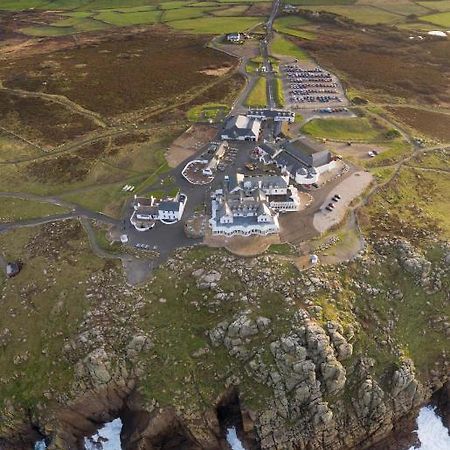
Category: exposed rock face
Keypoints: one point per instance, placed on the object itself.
(318, 389)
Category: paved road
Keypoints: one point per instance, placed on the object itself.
(265, 54)
(76, 212)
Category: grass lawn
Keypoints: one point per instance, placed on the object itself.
(279, 93)
(281, 46)
(252, 66)
(214, 112)
(216, 25)
(441, 19)
(359, 128)
(258, 95)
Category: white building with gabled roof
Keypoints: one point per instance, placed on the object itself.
(241, 128)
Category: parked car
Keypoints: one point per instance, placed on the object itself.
(331, 205)
(328, 208)
(315, 185)
(337, 196)
(371, 154)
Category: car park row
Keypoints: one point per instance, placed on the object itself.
(310, 85)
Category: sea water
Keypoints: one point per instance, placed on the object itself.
(431, 431)
(108, 437)
(432, 434)
(233, 439)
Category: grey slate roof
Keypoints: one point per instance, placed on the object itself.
(169, 205)
(307, 152)
(242, 126)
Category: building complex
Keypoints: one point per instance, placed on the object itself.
(302, 159)
(249, 205)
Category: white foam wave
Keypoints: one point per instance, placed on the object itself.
(432, 433)
(233, 439)
(107, 438)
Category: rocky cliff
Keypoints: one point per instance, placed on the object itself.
(330, 358)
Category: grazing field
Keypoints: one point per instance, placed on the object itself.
(362, 14)
(359, 129)
(41, 121)
(321, 2)
(441, 19)
(431, 124)
(233, 11)
(124, 19)
(401, 7)
(372, 64)
(258, 95)
(185, 13)
(293, 26)
(120, 76)
(441, 5)
(216, 25)
(283, 46)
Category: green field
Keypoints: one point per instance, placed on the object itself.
(281, 46)
(258, 95)
(209, 112)
(321, 2)
(359, 128)
(292, 25)
(130, 18)
(233, 11)
(362, 14)
(441, 19)
(216, 25)
(185, 13)
(441, 5)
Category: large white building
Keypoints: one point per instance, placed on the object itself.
(241, 128)
(147, 211)
(249, 205)
(280, 194)
(238, 214)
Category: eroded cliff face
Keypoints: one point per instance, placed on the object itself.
(302, 361)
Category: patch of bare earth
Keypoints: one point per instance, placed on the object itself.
(189, 143)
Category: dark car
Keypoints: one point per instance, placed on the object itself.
(315, 185)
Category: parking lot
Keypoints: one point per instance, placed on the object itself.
(309, 86)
